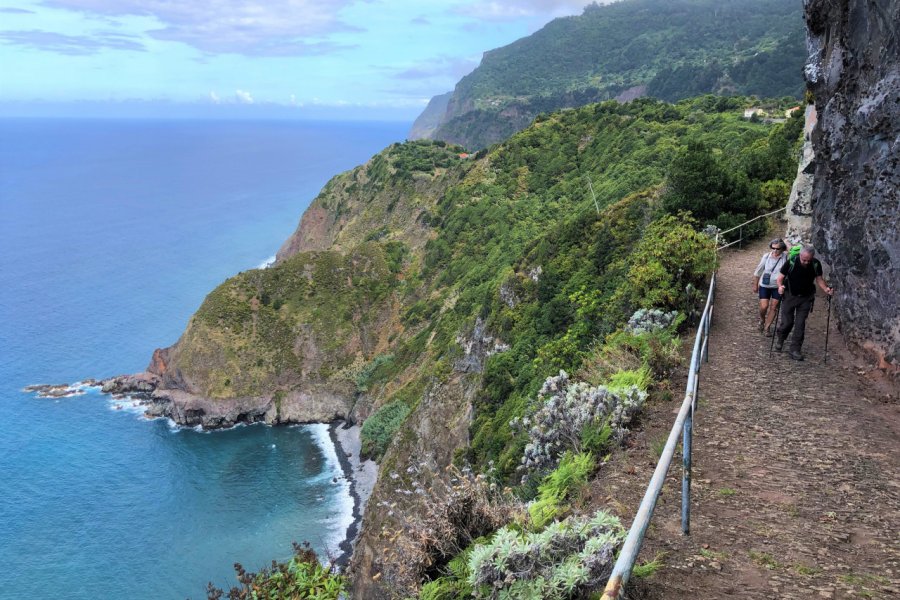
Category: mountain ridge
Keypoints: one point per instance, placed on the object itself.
(676, 49)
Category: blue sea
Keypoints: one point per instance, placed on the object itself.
(112, 232)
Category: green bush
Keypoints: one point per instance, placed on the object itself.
(379, 429)
(571, 474)
(374, 371)
(303, 576)
(639, 378)
(562, 561)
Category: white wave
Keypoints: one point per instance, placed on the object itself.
(343, 517)
(126, 404)
(267, 263)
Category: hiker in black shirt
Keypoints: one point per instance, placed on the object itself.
(798, 277)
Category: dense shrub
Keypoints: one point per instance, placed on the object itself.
(647, 320)
(303, 576)
(378, 430)
(370, 373)
(562, 561)
(564, 409)
(463, 508)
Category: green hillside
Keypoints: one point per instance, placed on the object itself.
(669, 49)
(456, 289)
(383, 313)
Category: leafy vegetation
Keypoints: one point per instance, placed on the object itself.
(561, 561)
(552, 266)
(303, 576)
(378, 430)
(572, 473)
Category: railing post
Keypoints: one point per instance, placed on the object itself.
(706, 334)
(741, 236)
(687, 433)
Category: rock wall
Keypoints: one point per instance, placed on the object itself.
(799, 206)
(854, 73)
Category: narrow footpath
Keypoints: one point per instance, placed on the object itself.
(796, 468)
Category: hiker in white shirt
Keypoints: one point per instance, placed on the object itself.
(766, 285)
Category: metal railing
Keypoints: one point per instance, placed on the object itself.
(683, 426)
(740, 228)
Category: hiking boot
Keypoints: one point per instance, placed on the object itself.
(795, 354)
(769, 332)
(760, 325)
(779, 344)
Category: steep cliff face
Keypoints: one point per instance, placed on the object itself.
(287, 344)
(854, 72)
(391, 197)
(428, 121)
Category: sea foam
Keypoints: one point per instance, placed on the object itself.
(343, 517)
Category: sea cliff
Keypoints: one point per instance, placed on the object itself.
(854, 73)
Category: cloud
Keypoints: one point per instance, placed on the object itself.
(16, 11)
(214, 98)
(249, 27)
(420, 21)
(439, 67)
(243, 97)
(70, 44)
(507, 10)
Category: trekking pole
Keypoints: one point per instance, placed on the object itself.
(827, 327)
(775, 323)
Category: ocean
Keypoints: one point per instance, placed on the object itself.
(112, 232)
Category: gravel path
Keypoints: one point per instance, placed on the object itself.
(797, 468)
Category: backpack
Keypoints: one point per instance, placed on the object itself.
(793, 253)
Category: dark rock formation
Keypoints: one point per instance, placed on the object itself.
(854, 73)
(316, 404)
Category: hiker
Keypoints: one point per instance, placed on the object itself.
(765, 284)
(798, 278)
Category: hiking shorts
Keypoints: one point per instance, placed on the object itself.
(766, 293)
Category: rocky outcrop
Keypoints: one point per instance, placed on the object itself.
(854, 73)
(434, 431)
(799, 206)
(315, 404)
(313, 233)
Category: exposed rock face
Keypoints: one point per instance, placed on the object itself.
(433, 432)
(854, 72)
(799, 207)
(313, 233)
(314, 404)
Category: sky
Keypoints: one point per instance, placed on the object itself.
(353, 59)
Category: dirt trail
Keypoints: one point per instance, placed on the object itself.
(797, 468)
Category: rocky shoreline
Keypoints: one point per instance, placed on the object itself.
(362, 475)
(187, 410)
